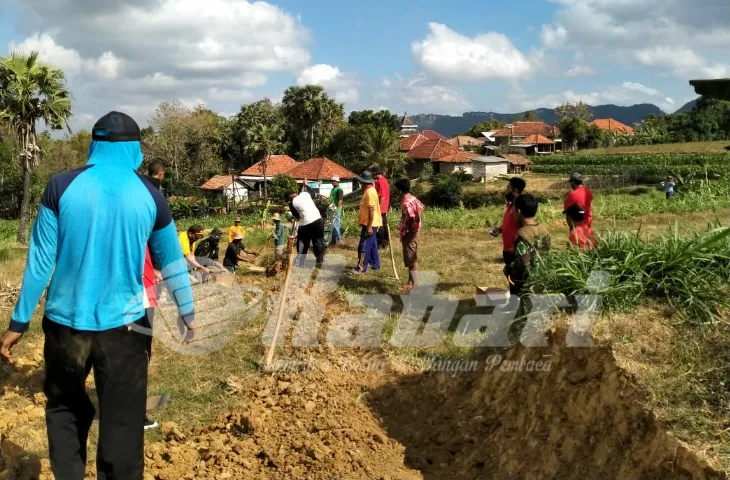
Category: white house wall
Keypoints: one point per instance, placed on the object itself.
(240, 194)
(488, 170)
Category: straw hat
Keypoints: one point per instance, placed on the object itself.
(275, 216)
(238, 219)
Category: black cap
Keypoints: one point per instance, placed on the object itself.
(116, 127)
(376, 170)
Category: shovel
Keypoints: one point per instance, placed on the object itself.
(157, 401)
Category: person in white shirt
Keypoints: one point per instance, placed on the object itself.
(311, 226)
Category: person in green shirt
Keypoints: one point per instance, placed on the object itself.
(280, 237)
(532, 240)
(336, 197)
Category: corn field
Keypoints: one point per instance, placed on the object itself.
(689, 276)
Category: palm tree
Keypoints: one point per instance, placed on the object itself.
(31, 91)
(382, 146)
(303, 107)
(264, 139)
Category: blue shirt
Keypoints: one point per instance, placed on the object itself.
(669, 186)
(89, 240)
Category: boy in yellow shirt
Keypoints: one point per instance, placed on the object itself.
(369, 220)
(236, 228)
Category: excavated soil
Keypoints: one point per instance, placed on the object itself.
(573, 415)
(578, 417)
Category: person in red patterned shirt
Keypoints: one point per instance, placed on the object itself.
(410, 228)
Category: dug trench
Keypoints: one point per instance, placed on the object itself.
(538, 413)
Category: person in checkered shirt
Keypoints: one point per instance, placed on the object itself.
(410, 228)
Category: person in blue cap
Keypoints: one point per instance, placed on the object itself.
(89, 241)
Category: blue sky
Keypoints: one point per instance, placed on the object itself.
(422, 56)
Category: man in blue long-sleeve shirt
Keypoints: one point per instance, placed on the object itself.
(89, 241)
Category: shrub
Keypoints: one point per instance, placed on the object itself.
(688, 274)
(418, 189)
(446, 192)
(182, 207)
(279, 185)
(427, 172)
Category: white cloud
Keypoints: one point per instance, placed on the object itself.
(438, 98)
(664, 34)
(627, 93)
(386, 83)
(553, 36)
(139, 52)
(67, 59)
(674, 57)
(580, 71)
(451, 55)
(382, 108)
(343, 86)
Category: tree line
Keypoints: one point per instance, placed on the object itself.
(193, 144)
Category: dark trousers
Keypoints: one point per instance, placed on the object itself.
(119, 360)
(383, 238)
(368, 246)
(312, 234)
(508, 257)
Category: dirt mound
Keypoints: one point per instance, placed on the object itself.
(573, 415)
(313, 425)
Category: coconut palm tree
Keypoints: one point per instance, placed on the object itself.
(382, 146)
(31, 91)
(264, 139)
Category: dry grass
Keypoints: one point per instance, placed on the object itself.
(681, 369)
(689, 147)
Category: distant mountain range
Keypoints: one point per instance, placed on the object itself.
(687, 107)
(450, 126)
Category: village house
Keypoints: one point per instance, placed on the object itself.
(486, 167)
(228, 188)
(445, 157)
(466, 142)
(528, 137)
(517, 163)
(611, 125)
(277, 164)
(319, 171)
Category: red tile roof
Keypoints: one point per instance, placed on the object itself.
(433, 150)
(218, 182)
(466, 141)
(320, 169)
(515, 159)
(524, 129)
(461, 157)
(432, 134)
(411, 141)
(536, 140)
(611, 125)
(277, 164)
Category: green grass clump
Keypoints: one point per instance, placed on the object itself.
(690, 275)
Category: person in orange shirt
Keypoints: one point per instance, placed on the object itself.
(236, 228)
(581, 234)
(580, 195)
(370, 220)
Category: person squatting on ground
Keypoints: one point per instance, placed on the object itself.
(581, 235)
(187, 245)
(510, 225)
(311, 226)
(370, 220)
(410, 228)
(207, 250)
(532, 239)
(383, 190)
(580, 195)
(337, 198)
(89, 240)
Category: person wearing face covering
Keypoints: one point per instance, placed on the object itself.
(88, 246)
(510, 225)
